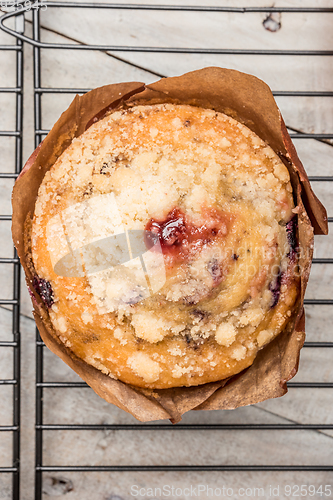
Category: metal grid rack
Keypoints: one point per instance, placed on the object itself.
(40, 132)
(14, 302)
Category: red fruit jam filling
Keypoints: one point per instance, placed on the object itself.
(180, 238)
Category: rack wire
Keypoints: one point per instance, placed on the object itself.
(40, 132)
(13, 261)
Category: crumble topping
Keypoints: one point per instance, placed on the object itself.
(225, 334)
(164, 243)
(144, 367)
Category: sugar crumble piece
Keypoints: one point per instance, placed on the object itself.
(251, 317)
(119, 334)
(143, 366)
(225, 334)
(87, 317)
(264, 336)
(148, 326)
(238, 353)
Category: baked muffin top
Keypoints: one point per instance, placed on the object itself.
(164, 243)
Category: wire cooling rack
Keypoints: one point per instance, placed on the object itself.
(43, 385)
(14, 303)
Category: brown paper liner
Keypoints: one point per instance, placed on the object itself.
(250, 101)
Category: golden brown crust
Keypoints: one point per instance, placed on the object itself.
(213, 88)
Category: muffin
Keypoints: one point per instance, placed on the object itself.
(163, 240)
(212, 275)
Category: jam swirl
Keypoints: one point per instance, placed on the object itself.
(180, 238)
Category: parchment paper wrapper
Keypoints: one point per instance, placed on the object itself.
(250, 101)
